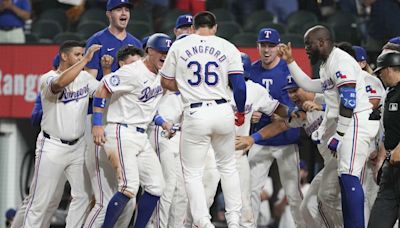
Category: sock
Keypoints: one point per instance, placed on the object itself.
(351, 189)
(114, 209)
(145, 208)
(344, 203)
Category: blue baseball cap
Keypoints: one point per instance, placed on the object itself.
(10, 213)
(395, 40)
(361, 54)
(144, 42)
(290, 83)
(269, 35)
(184, 20)
(56, 61)
(112, 4)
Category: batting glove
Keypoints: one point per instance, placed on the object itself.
(239, 118)
(315, 137)
(334, 142)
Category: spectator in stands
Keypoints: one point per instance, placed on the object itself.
(383, 24)
(192, 6)
(281, 9)
(13, 14)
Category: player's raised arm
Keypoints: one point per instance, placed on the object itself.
(71, 73)
(99, 103)
(301, 78)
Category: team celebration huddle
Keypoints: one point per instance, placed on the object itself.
(144, 131)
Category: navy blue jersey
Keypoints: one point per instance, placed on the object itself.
(111, 45)
(274, 80)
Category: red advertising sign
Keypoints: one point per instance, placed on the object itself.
(22, 65)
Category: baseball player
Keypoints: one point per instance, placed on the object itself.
(183, 26)
(348, 106)
(102, 175)
(325, 184)
(271, 72)
(200, 66)
(135, 92)
(60, 144)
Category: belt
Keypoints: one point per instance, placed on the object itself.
(138, 129)
(8, 28)
(199, 104)
(72, 142)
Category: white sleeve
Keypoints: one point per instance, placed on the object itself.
(295, 123)
(302, 79)
(235, 61)
(266, 104)
(374, 88)
(168, 69)
(122, 80)
(45, 86)
(344, 73)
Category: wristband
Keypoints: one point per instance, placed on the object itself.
(257, 137)
(343, 124)
(323, 107)
(97, 119)
(99, 102)
(158, 120)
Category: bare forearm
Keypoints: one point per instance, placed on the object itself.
(23, 14)
(273, 129)
(169, 84)
(68, 76)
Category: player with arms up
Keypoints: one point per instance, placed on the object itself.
(200, 66)
(135, 92)
(61, 145)
(348, 105)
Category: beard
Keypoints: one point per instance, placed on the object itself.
(314, 57)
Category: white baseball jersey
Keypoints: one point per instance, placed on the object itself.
(207, 60)
(338, 70)
(141, 90)
(257, 99)
(373, 87)
(69, 105)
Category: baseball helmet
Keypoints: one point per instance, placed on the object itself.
(246, 64)
(387, 60)
(160, 42)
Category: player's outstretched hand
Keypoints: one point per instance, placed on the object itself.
(106, 61)
(92, 49)
(285, 52)
(243, 142)
(98, 135)
(395, 156)
(239, 118)
(311, 106)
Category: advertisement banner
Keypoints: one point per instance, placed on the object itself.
(22, 65)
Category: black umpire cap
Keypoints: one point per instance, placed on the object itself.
(387, 60)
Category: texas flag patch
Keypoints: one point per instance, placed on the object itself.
(340, 75)
(370, 89)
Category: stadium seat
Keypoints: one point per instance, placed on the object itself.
(46, 29)
(167, 26)
(31, 38)
(346, 33)
(296, 40)
(223, 15)
(245, 39)
(342, 18)
(257, 17)
(308, 25)
(56, 15)
(88, 28)
(139, 29)
(281, 28)
(141, 15)
(62, 37)
(173, 14)
(94, 14)
(296, 20)
(228, 29)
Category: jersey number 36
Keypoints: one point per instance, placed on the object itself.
(210, 76)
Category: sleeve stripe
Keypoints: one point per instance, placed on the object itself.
(375, 97)
(273, 110)
(166, 76)
(346, 82)
(235, 72)
(107, 86)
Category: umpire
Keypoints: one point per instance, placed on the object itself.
(386, 209)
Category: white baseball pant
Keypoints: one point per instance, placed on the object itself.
(287, 157)
(53, 205)
(104, 184)
(210, 123)
(53, 160)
